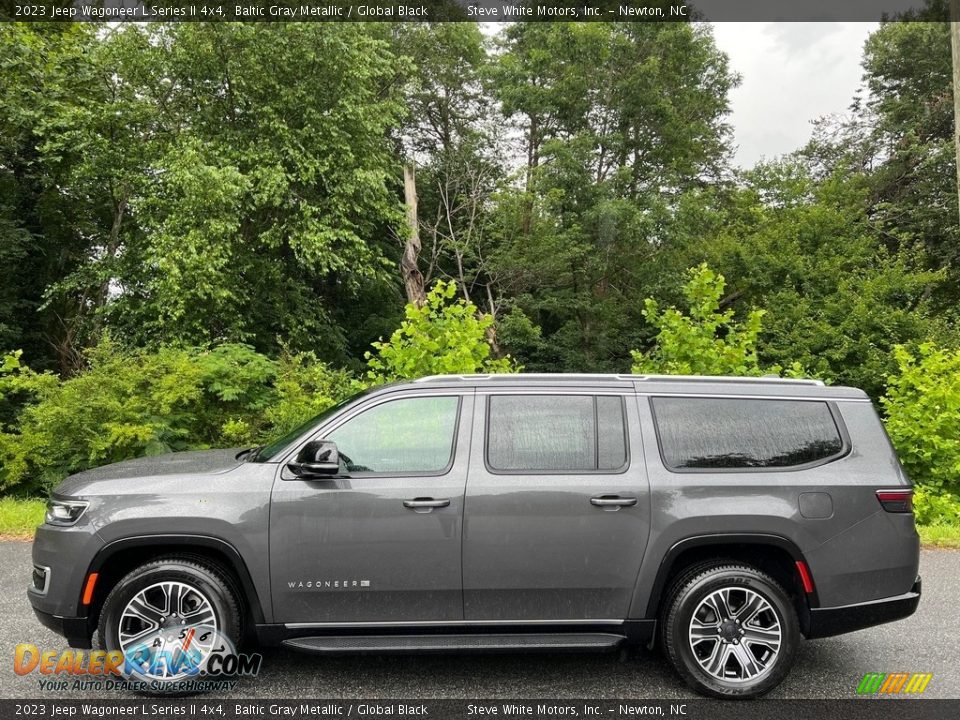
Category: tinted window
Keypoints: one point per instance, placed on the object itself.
(716, 433)
(410, 435)
(561, 433)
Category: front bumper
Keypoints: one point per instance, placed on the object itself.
(61, 559)
(825, 622)
(74, 629)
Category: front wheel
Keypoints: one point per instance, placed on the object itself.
(167, 617)
(730, 630)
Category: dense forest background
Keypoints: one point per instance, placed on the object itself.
(239, 189)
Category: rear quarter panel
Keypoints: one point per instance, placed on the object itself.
(857, 553)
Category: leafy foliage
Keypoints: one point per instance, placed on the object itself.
(224, 201)
(304, 387)
(132, 403)
(923, 416)
(446, 335)
(618, 122)
(931, 507)
(707, 340)
(163, 185)
(838, 299)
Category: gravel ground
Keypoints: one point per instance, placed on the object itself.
(830, 668)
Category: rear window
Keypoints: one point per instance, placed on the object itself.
(555, 433)
(711, 433)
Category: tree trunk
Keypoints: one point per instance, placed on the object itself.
(495, 349)
(955, 42)
(412, 277)
(532, 162)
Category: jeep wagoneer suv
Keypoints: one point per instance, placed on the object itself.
(723, 519)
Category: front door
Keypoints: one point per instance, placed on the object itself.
(556, 515)
(381, 542)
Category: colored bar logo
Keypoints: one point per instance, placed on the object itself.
(894, 683)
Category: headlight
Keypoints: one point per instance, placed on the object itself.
(64, 512)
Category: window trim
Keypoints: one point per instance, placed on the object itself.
(593, 395)
(845, 444)
(322, 433)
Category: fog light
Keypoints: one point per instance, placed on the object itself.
(41, 579)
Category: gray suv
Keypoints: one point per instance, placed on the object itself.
(721, 518)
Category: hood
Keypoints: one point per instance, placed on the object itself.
(131, 475)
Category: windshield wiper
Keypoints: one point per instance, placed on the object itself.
(250, 453)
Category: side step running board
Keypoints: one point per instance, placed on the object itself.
(334, 645)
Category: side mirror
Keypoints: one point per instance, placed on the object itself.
(317, 459)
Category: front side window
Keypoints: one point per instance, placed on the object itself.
(732, 433)
(558, 433)
(407, 435)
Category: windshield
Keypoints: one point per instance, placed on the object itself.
(268, 451)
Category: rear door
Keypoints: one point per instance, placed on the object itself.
(380, 542)
(556, 514)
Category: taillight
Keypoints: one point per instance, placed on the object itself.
(896, 501)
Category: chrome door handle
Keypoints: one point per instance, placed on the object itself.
(612, 502)
(425, 504)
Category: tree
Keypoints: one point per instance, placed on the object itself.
(43, 226)
(707, 340)
(409, 261)
(909, 125)
(445, 335)
(451, 130)
(838, 300)
(955, 58)
(619, 121)
(210, 200)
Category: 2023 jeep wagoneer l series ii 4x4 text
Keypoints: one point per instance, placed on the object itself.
(720, 518)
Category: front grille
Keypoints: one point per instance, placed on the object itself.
(41, 578)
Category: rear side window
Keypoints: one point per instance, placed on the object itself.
(711, 433)
(555, 433)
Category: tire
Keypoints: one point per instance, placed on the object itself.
(729, 630)
(178, 599)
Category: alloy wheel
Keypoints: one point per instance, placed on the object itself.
(167, 631)
(735, 634)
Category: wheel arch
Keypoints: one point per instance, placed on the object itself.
(775, 554)
(117, 558)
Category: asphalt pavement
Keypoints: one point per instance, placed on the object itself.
(928, 642)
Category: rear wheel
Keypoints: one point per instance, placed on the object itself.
(730, 630)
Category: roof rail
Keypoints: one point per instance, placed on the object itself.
(730, 379)
(766, 379)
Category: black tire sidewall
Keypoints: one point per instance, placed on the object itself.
(686, 602)
(203, 579)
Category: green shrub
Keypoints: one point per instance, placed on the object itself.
(129, 403)
(922, 405)
(446, 335)
(935, 508)
(305, 387)
(707, 340)
(133, 403)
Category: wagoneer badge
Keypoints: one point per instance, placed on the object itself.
(325, 584)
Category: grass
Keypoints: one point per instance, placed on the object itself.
(19, 518)
(941, 536)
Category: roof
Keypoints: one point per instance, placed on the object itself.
(612, 377)
(769, 386)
